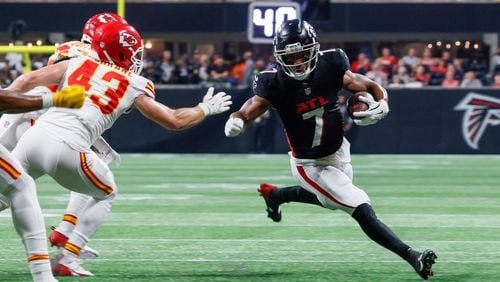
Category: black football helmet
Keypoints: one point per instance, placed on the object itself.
(296, 48)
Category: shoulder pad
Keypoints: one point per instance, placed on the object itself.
(264, 77)
(68, 50)
(337, 57)
(144, 85)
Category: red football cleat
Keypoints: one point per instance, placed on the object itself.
(273, 209)
(69, 269)
(57, 239)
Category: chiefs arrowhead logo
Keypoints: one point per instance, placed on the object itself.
(480, 111)
(106, 18)
(127, 40)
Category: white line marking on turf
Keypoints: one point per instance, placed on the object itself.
(139, 197)
(267, 178)
(434, 242)
(224, 185)
(280, 261)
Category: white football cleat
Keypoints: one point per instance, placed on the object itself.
(88, 253)
(70, 269)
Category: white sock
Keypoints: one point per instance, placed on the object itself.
(77, 203)
(92, 218)
(41, 270)
(29, 223)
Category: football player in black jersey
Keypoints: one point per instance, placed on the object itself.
(303, 90)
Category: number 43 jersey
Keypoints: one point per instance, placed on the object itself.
(308, 108)
(111, 91)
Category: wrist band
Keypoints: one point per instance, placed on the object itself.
(205, 108)
(47, 100)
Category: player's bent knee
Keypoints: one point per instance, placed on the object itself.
(364, 212)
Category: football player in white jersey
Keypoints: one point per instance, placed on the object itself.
(77, 201)
(13, 126)
(113, 86)
(18, 188)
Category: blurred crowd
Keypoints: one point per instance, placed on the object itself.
(204, 69)
(415, 70)
(411, 70)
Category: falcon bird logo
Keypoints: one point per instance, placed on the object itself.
(480, 111)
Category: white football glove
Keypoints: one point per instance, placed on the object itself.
(234, 127)
(215, 104)
(377, 110)
(4, 202)
(105, 152)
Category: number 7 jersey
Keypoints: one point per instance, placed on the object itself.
(111, 91)
(308, 108)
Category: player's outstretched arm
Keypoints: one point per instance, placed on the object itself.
(15, 102)
(251, 109)
(183, 118)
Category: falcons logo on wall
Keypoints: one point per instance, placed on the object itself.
(480, 111)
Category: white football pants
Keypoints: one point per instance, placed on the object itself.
(81, 172)
(330, 179)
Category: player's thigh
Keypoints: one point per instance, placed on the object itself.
(331, 185)
(82, 172)
(342, 158)
(85, 173)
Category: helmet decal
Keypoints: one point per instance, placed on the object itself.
(127, 40)
(90, 27)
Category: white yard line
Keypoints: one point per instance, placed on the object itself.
(156, 260)
(367, 241)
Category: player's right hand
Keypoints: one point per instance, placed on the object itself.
(234, 127)
(69, 97)
(215, 104)
(377, 110)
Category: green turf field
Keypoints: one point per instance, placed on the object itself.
(199, 218)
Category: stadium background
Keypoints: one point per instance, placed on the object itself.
(423, 120)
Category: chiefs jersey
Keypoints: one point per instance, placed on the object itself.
(110, 90)
(62, 51)
(308, 108)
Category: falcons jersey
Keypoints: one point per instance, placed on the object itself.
(308, 108)
(111, 91)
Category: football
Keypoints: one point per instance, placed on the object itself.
(355, 105)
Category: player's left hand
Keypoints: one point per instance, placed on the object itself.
(234, 127)
(215, 104)
(69, 97)
(111, 156)
(377, 110)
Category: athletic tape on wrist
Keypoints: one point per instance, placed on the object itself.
(205, 108)
(47, 100)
